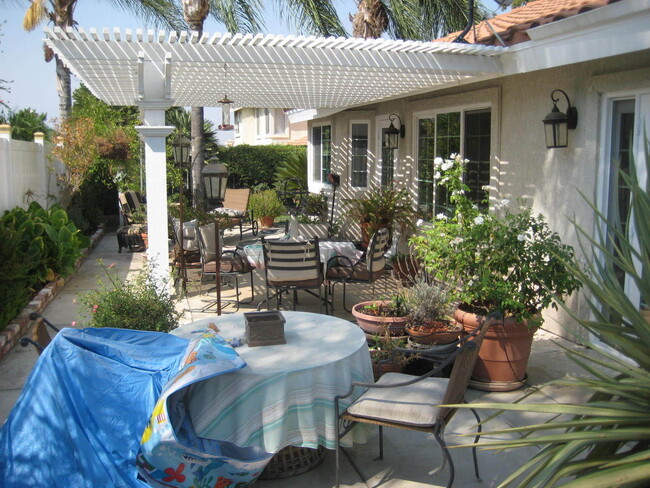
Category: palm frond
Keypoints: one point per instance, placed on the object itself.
(238, 15)
(316, 17)
(35, 14)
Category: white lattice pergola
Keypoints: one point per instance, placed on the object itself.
(156, 70)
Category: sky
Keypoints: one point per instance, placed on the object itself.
(32, 81)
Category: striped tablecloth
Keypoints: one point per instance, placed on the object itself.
(285, 394)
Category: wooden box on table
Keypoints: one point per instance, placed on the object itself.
(264, 328)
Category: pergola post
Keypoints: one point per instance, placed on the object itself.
(153, 98)
(156, 192)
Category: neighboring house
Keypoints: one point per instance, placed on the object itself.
(596, 51)
(257, 126)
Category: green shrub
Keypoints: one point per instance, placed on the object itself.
(38, 245)
(265, 204)
(15, 275)
(132, 304)
(249, 166)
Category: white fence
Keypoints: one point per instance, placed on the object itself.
(27, 172)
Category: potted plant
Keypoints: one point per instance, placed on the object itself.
(382, 316)
(430, 310)
(383, 356)
(381, 207)
(265, 206)
(510, 262)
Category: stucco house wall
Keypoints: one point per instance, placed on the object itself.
(550, 180)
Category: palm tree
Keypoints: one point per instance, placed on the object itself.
(61, 14)
(410, 19)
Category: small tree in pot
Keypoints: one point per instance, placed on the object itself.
(512, 263)
(266, 206)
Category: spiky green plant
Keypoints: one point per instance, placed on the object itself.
(606, 441)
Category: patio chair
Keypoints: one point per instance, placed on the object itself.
(292, 266)
(406, 402)
(235, 206)
(232, 264)
(342, 269)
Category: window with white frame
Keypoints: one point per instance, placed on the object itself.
(321, 147)
(359, 154)
(279, 122)
(441, 134)
(263, 117)
(238, 117)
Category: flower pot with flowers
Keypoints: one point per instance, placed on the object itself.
(495, 260)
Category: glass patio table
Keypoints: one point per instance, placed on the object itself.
(284, 396)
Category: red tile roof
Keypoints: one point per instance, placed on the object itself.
(512, 26)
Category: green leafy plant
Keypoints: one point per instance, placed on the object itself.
(605, 441)
(393, 307)
(265, 204)
(426, 300)
(382, 207)
(25, 122)
(513, 262)
(137, 303)
(38, 245)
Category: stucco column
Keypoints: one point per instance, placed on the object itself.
(156, 192)
(6, 169)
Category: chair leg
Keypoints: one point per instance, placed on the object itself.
(439, 435)
(252, 291)
(344, 307)
(381, 443)
(478, 432)
(337, 447)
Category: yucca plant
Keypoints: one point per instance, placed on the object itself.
(606, 440)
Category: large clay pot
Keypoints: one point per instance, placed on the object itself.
(378, 325)
(266, 222)
(503, 357)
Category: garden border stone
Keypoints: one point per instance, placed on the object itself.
(21, 325)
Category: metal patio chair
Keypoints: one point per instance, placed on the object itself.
(341, 269)
(292, 266)
(407, 402)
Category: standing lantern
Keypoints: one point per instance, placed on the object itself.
(215, 178)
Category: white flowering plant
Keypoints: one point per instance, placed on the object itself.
(511, 262)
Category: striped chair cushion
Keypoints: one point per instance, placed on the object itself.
(292, 263)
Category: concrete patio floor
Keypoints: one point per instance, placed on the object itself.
(409, 457)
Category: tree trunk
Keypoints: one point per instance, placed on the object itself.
(198, 157)
(370, 21)
(195, 12)
(64, 88)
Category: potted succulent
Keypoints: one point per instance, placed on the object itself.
(499, 260)
(265, 206)
(382, 316)
(430, 310)
(380, 207)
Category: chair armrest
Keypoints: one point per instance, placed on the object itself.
(434, 371)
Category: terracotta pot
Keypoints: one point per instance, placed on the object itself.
(145, 239)
(433, 337)
(266, 222)
(378, 325)
(503, 357)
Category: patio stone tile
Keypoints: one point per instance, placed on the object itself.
(15, 368)
(7, 400)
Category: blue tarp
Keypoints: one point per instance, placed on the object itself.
(80, 417)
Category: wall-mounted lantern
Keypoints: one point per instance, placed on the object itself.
(391, 139)
(557, 124)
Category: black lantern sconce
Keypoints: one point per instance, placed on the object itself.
(391, 139)
(215, 178)
(181, 148)
(557, 124)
